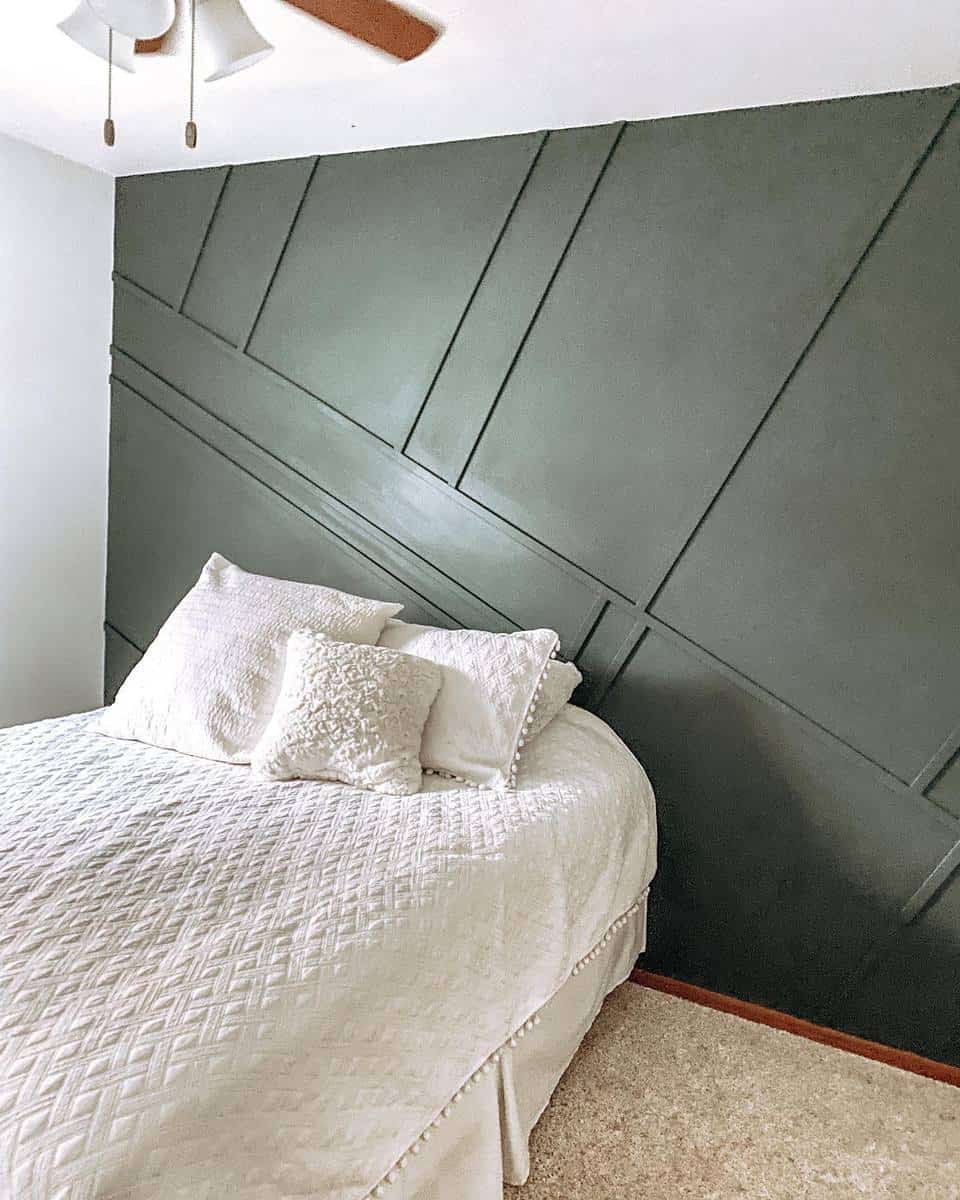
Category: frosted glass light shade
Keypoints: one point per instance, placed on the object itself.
(227, 39)
(90, 32)
(136, 18)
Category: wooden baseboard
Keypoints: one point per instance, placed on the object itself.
(915, 1063)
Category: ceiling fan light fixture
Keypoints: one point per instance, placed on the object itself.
(90, 32)
(228, 41)
(142, 19)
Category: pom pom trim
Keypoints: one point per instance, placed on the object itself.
(523, 1030)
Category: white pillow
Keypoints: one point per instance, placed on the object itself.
(209, 680)
(559, 683)
(353, 713)
(482, 717)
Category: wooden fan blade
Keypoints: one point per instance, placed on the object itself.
(377, 22)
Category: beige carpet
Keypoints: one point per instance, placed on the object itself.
(667, 1100)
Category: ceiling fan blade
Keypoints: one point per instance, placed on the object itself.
(379, 23)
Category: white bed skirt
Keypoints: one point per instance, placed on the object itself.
(484, 1143)
(215, 986)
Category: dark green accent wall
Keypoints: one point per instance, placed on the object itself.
(686, 390)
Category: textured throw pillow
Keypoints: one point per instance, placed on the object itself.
(491, 681)
(353, 713)
(209, 680)
(559, 683)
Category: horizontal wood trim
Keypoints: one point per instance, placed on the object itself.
(914, 1063)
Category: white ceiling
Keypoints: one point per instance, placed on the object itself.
(503, 66)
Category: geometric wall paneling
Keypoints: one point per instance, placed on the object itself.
(450, 604)
(517, 276)
(827, 570)
(880, 774)
(912, 991)
(520, 580)
(713, 247)
(234, 269)
(613, 637)
(379, 267)
(684, 391)
(178, 499)
(119, 657)
(945, 789)
(161, 222)
(782, 862)
(937, 763)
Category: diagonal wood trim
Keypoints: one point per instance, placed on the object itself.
(931, 887)
(650, 600)
(880, 773)
(856, 848)
(618, 661)
(206, 236)
(120, 656)
(574, 640)
(245, 341)
(938, 762)
(120, 634)
(545, 212)
(403, 443)
(928, 891)
(291, 382)
(537, 310)
(389, 491)
(902, 1059)
(449, 602)
(129, 325)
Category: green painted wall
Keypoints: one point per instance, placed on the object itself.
(688, 391)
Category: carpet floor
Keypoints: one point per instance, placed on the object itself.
(668, 1100)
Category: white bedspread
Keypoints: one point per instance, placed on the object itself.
(214, 987)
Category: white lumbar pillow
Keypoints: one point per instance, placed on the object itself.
(560, 681)
(209, 680)
(353, 713)
(482, 717)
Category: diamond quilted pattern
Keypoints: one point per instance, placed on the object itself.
(212, 985)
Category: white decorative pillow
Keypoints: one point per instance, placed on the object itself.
(209, 680)
(491, 681)
(353, 713)
(559, 683)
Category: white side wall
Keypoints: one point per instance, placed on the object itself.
(56, 255)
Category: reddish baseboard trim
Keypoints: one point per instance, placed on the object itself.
(915, 1063)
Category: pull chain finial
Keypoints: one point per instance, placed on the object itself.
(191, 130)
(109, 130)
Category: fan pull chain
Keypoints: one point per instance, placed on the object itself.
(109, 129)
(191, 130)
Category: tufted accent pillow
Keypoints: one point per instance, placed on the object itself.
(209, 680)
(491, 684)
(352, 713)
(559, 683)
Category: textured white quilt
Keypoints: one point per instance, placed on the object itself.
(212, 986)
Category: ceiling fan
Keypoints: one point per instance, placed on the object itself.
(224, 38)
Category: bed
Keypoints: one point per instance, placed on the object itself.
(212, 985)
